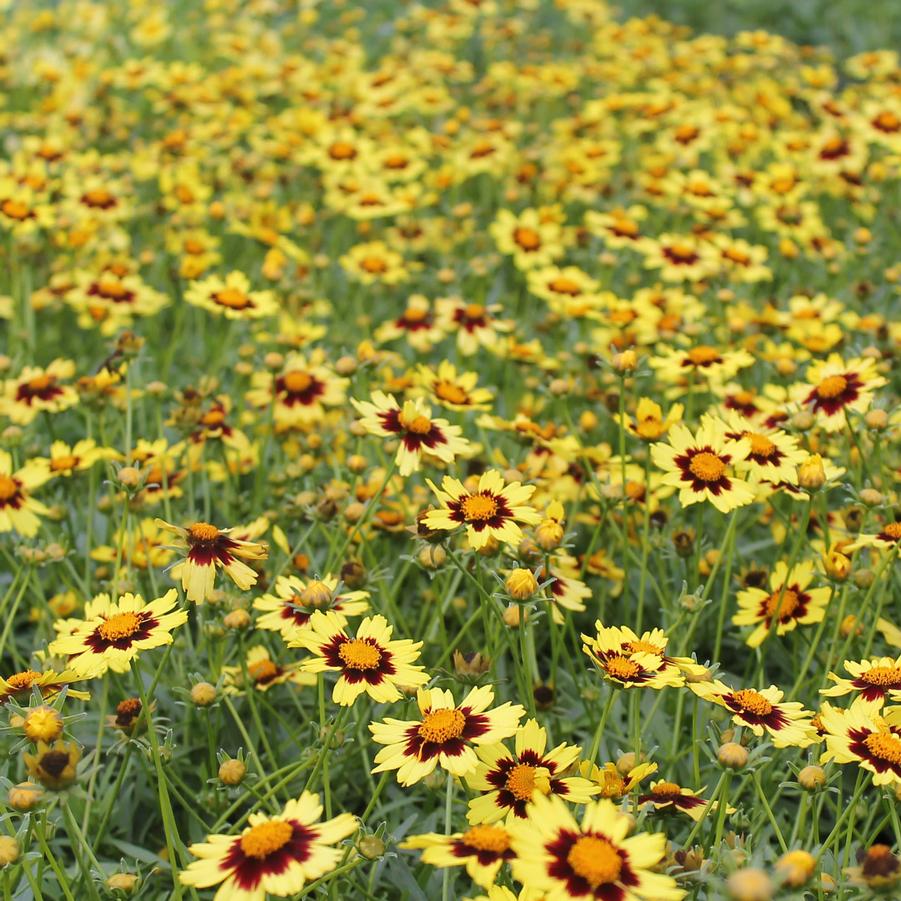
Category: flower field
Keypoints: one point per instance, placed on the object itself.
(447, 451)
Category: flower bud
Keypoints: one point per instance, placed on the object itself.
(812, 778)
(837, 565)
(732, 755)
(24, 796)
(371, 847)
(871, 497)
(43, 724)
(122, 882)
(795, 868)
(232, 771)
(521, 584)
(9, 850)
(237, 619)
(432, 556)
(876, 419)
(750, 885)
(626, 361)
(203, 694)
(514, 615)
(811, 473)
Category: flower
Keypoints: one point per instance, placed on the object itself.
(231, 297)
(790, 595)
(209, 548)
(509, 780)
(663, 795)
(444, 734)
(289, 609)
(863, 735)
(456, 391)
(370, 662)
(274, 855)
(19, 511)
(872, 680)
(482, 849)
(113, 633)
(529, 238)
(613, 782)
(492, 510)
(773, 456)
(649, 423)
(38, 390)
(54, 766)
(49, 683)
(262, 673)
(834, 388)
(787, 723)
(592, 859)
(412, 425)
(701, 466)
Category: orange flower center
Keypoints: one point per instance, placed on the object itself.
(625, 227)
(67, 461)
(832, 386)
(682, 253)
(893, 530)
(707, 467)
(564, 285)
(887, 121)
(266, 838)
(341, 150)
(882, 675)
(666, 790)
(487, 838)
(23, 680)
(479, 508)
(622, 668)
(527, 238)
(359, 654)
(786, 606)
(15, 209)
(521, 782)
(203, 531)
(643, 647)
(262, 670)
(703, 353)
(374, 264)
(41, 382)
(9, 488)
(596, 860)
(419, 425)
(761, 446)
(232, 298)
(474, 311)
(440, 726)
(415, 314)
(98, 197)
(297, 381)
(119, 625)
(450, 392)
(885, 746)
(753, 702)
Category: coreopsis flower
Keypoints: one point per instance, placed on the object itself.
(612, 783)
(38, 390)
(263, 673)
(649, 423)
(774, 455)
(413, 427)
(787, 723)
(475, 325)
(370, 662)
(492, 510)
(680, 257)
(702, 466)
(113, 633)
(663, 795)
(835, 388)
(790, 601)
(445, 735)
(887, 538)
(630, 661)
(231, 297)
(49, 683)
(566, 591)
(19, 511)
(456, 391)
(417, 324)
(509, 779)
(208, 549)
(141, 546)
(878, 869)
(54, 766)
(65, 459)
(531, 240)
(374, 263)
(701, 363)
(294, 602)
(275, 855)
(875, 680)
(864, 735)
(594, 859)
(301, 392)
(482, 849)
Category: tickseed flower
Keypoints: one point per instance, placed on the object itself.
(790, 601)
(209, 548)
(19, 511)
(263, 673)
(878, 869)
(563, 859)
(865, 736)
(294, 601)
(509, 779)
(274, 855)
(889, 536)
(417, 433)
(649, 423)
(788, 724)
(874, 680)
(834, 388)
(773, 456)
(665, 796)
(65, 460)
(369, 662)
(630, 661)
(36, 390)
(113, 633)
(475, 325)
(231, 297)
(492, 510)
(53, 765)
(613, 781)
(482, 849)
(702, 466)
(453, 390)
(444, 735)
(49, 683)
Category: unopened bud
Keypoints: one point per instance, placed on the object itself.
(232, 772)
